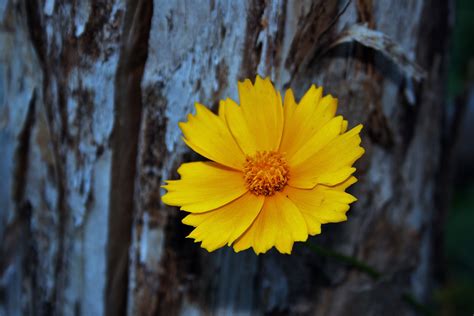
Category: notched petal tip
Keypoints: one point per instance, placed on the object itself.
(201, 109)
(358, 128)
(181, 169)
(258, 78)
(289, 92)
(165, 198)
(257, 252)
(285, 252)
(187, 221)
(261, 78)
(244, 82)
(209, 249)
(318, 89)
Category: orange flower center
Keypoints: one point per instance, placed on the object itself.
(266, 172)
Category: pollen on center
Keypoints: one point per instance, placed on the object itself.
(266, 172)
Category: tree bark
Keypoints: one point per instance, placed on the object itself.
(91, 93)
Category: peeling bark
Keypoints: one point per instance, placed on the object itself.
(90, 96)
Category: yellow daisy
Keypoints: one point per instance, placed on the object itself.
(277, 172)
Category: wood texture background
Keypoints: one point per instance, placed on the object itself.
(90, 96)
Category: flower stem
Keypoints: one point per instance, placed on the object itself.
(372, 272)
(345, 259)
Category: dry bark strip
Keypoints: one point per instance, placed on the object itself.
(377, 40)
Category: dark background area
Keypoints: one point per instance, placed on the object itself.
(456, 297)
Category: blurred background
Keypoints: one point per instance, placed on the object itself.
(90, 96)
(456, 294)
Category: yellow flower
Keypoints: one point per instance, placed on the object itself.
(277, 172)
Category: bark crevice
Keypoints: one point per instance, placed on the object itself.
(124, 143)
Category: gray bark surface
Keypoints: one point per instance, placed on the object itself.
(90, 96)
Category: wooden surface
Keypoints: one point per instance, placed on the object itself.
(90, 96)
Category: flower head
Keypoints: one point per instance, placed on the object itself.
(277, 172)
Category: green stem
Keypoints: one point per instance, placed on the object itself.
(345, 259)
(407, 297)
(417, 306)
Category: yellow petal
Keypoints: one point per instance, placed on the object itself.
(278, 224)
(224, 225)
(310, 115)
(335, 177)
(289, 108)
(239, 127)
(289, 105)
(330, 165)
(208, 135)
(296, 124)
(204, 186)
(320, 139)
(262, 110)
(344, 126)
(221, 111)
(322, 204)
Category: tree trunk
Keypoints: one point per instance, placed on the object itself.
(91, 93)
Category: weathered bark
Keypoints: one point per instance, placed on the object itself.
(91, 93)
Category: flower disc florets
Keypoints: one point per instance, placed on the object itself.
(266, 172)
